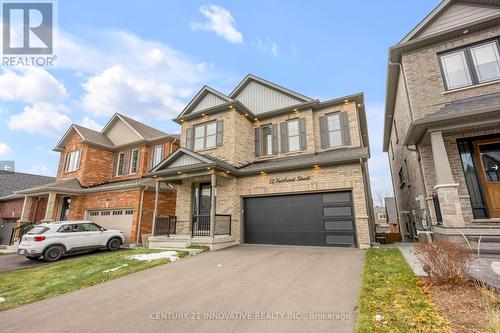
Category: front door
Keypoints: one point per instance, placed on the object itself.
(65, 202)
(202, 204)
(487, 153)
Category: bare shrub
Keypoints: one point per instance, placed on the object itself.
(445, 262)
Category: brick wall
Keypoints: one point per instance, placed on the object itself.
(37, 209)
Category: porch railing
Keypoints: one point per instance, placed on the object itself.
(201, 225)
(222, 224)
(165, 225)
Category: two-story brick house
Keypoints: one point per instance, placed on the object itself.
(442, 121)
(267, 165)
(100, 178)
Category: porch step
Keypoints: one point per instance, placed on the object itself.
(488, 245)
(160, 242)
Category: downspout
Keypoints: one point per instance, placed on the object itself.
(140, 216)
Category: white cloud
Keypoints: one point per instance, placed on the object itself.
(30, 84)
(147, 80)
(267, 46)
(220, 21)
(5, 149)
(41, 118)
(90, 123)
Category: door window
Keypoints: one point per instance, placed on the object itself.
(490, 156)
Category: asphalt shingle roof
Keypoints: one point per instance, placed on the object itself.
(94, 136)
(147, 132)
(465, 106)
(17, 181)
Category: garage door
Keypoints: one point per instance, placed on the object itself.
(319, 219)
(117, 219)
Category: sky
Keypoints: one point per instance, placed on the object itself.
(147, 59)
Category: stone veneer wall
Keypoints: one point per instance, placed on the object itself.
(231, 190)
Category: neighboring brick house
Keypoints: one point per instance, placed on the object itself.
(386, 219)
(11, 204)
(99, 178)
(268, 165)
(442, 122)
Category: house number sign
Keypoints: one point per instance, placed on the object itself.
(283, 180)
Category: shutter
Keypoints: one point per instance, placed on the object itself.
(274, 135)
(150, 157)
(344, 123)
(302, 133)
(258, 136)
(323, 128)
(189, 138)
(284, 137)
(220, 133)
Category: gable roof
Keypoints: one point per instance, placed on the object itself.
(205, 98)
(451, 14)
(143, 131)
(11, 182)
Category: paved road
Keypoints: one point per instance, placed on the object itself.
(263, 281)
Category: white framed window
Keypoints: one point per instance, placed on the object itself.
(334, 133)
(267, 140)
(72, 162)
(120, 164)
(455, 70)
(205, 136)
(486, 62)
(471, 65)
(134, 161)
(293, 135)
(381, 216)
(157, 155)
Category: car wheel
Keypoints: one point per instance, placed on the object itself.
(53, 253)
(114, 244)
(32, 258)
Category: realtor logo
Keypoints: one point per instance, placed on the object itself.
(9, 166)
(28, 28)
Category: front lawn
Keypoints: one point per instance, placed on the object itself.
(391, 298)
(34, 284)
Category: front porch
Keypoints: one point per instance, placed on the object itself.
(206, 205)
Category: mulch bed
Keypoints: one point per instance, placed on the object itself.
(463, 306)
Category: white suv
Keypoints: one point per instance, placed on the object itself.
(53, 240)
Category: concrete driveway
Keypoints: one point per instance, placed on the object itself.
(240, 289)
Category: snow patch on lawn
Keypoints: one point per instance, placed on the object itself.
(115, 269)
(2, 299)
(172, 255)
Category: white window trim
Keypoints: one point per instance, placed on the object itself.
(154, 161)
(329, 130)
(132, 160)
(204, 136)
(118, 164)
(68, 161)
(290, 136)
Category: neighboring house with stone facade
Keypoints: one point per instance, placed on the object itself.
(268, 165)
(11, 204)
(442, 122)
(100, 178)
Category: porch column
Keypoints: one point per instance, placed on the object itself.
(446, 187)
(25, 214)
(49, 212)
(155, 211)
(213, 183)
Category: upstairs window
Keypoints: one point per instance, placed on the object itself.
(157, 155)
(134, 161)
(120, 164)
(205, 136)
(334, 134)
(471, 65)
(293, 135)
(267, 140)
(72, 161)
